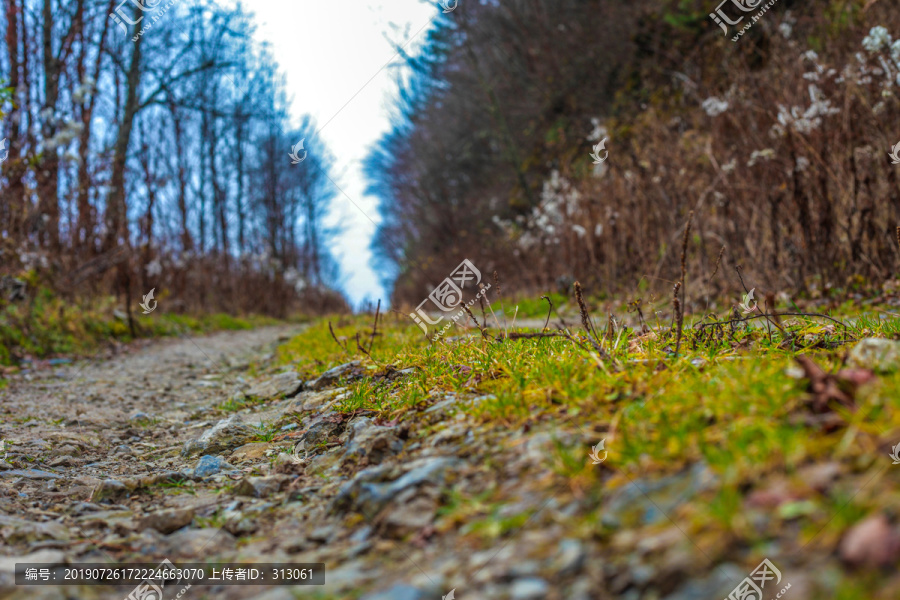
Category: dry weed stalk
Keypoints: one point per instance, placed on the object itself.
(336, 341)
(676, 304)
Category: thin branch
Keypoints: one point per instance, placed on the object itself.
(549, 312)
(344, 346)
(375, 325)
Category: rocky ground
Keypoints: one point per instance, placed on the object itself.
(199, 450)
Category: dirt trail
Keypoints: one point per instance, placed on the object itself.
(172, 450)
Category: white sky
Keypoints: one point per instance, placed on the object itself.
(328, 50)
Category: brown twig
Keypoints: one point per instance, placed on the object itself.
(483, 331)
(481, 302)
(528, 336)
(681, 304)
(366, 352)
(765, 316)
(716, 270)
(676, 303)
(549, 311)
(375, 325)
(582, 307)
(343, 346)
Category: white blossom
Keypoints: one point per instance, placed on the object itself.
(786, 29)
(757, 155)
(877, 39)
(714, 106)
(154, 268)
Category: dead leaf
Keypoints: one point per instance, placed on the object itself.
(871, 542)
(825, 387)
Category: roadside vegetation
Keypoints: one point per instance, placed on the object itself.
(47, 326)
(790, 428)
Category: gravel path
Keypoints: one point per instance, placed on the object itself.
(202, 450)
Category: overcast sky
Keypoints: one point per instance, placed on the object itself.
(333, 54)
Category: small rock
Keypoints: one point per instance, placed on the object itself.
(80, 508)
(370, 444)
(369, 492)
(871, 542)
(124, 449)
(261, 487)
(323, 534)
(210, 465)
(251, 451)
(44, 557)
(239, 525)
(167, 521)
(320, 432)
(157, 479)
(60, 461)
(570, 558)
(400, 591)
(311, 401)
(225, 435)
(109, 489)
(276, 594)
(330, 378)
(530, 588)
(196, 543)
(877, 354)
(31, 474)
(14, 530)
(283, 385)
(140, 418)
(404, 518)
(66, 450)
